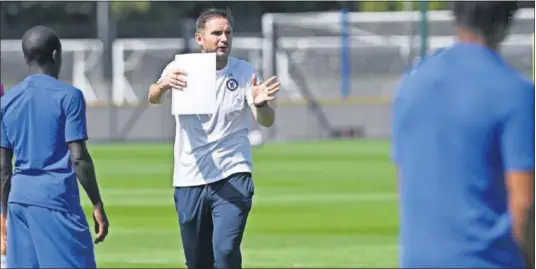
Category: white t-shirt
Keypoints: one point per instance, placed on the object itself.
(209, 148)
(3, 261)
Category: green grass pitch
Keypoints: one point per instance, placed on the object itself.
(317, 204)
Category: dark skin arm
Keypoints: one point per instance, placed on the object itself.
(85, 171)
(6, 170)
(520, 187)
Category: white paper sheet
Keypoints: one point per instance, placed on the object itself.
(199, 97)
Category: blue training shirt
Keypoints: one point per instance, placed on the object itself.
(461, 119)
(40, 116)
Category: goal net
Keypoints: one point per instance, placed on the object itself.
(362, 54)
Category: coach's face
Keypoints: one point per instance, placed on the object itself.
(216, 37)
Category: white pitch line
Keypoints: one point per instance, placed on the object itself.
(142, 198)
(256, 257)
(265, 191)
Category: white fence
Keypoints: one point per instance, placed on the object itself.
(138, 62)
(81, 58)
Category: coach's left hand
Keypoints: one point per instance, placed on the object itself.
(264, 92)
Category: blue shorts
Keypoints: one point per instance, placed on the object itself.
(39, 237)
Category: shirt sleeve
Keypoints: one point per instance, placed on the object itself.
(4, 141)
(394, 135)
(166, 69)
(517, 132)
(396, 112)
(75, 122)
(162, 75)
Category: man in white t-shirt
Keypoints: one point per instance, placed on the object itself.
(212, 171)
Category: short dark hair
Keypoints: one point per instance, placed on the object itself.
(485, 17)
(211, 13)
(39, 44)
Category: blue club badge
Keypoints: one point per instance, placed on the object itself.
(231, 84)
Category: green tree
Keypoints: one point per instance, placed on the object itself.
(402, 5)
(120, 8)
(373, 6)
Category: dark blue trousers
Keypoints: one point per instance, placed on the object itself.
(212, 221)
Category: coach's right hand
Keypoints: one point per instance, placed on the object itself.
(101, 223)
(174, 79)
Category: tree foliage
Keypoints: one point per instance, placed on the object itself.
(399, 5)
(120, 8)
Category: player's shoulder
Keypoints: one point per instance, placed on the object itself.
(9, 95)
(513, 85)
(63, 91)
(239, 65)
(74, 94)
(67, 90)
(510, 75)
(419, 74)
(420, 63)
(50, 84)
(509, 90)
(508, 82)
(171, 64)
(409, 75)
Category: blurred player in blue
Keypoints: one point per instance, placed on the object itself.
(463, 143)
(44, 128)
(3, 249)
